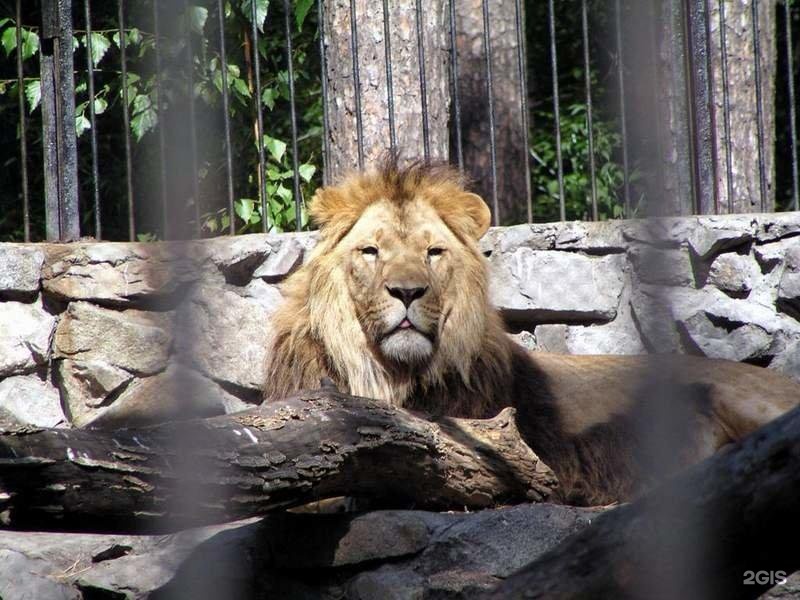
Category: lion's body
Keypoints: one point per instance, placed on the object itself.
(393, 304)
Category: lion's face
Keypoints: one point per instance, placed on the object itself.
(399, 264)
(395, 294)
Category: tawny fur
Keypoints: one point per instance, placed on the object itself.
(584, 415)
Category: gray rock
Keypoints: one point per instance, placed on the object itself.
(789, 286)
(661, 266)
(535, 286)
(771, 255)
(734, 273)
(113, 273)
(236, 257)
(267, 295)
(20, 269)
(282, 262)
(30, 399)
(231, 336)
(178, 393)
(774, 226)
(599, 237)
(25, 578)
(26, 331)
(526, 339)
(131, 339)
(726, 339)
(785, 350)
(613, 338)
(86, 385)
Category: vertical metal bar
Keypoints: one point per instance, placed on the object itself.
(387, 49)
(287, 9)
(262, 171)
(126, 120)
(58, 121)
(423, 83)
(324, 79)
(356, 84)
(523, 94)
(162, 139)
(762, 169)
(487, 51)
(456, 99)
(702, 124)
(589, 121)
(192, 124)
(23, 131)
(556, 109)
(792, 105)
(622, 110)
(98, 231)
(726, 103)
(226, 120)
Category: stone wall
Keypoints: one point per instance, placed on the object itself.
(104, 333)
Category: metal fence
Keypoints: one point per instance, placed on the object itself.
(77, 190)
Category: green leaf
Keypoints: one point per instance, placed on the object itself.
(283, 193)
(132, 37)
(33, 93)
(100, 105)
(81, 124)
(197, 17)
(30, 43)
(268, 97)
(261, 12)
(240, 86)
(100, 45)
(301, 8)
(9, 40)
(276, 147)
(145, 118)
(307, 171)
(244, 208)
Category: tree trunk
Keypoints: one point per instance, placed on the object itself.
(317, 445)
(373, 97)
(511, 152)
(696, 536)
(679, 65)
(745, 195)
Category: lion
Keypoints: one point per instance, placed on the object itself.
(393, 304)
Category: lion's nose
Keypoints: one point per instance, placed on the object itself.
(407, 295)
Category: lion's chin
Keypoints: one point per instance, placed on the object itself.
(407, 347)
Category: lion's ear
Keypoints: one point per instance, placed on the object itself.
(465, 213)
(478, 217)
(330, 211)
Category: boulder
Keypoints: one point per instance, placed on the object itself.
(87, 385)
(31, 399)
(280, 263)
(531, 286)
(789, 286)
(20, 269)
(26, 331)
(176, 394)
(230, 339)
(735, 274)
(265, 294)
(661, 266)
(113, 273)
(133, 340)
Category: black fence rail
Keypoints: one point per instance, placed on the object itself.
(158, 120)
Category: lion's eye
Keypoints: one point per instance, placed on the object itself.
(435, 252)
(369, 251)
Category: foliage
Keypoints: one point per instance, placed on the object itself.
(194, 30)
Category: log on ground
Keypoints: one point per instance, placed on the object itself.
(725, 528)
(316, 445)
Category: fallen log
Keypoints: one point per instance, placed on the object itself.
(726, 528)
(319, 444)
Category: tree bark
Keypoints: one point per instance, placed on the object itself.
(510, 148)
(373, 96)
(675, 134)
(696, 536)
(316, 445)
(745, 195)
